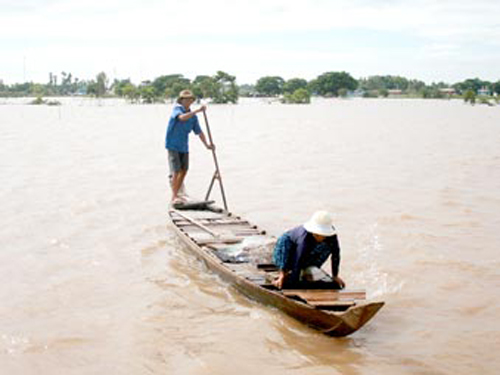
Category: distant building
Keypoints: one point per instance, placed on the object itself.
(395, 92)
(484, 91)
(357, 93)
(447, 91)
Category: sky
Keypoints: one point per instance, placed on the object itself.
(429, 40)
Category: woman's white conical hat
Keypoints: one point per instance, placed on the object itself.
(320, 223)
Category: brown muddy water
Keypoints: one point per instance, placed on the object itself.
(93, 281)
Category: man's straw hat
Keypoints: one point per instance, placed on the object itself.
(185, 94)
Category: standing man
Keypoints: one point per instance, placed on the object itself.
(181, 123)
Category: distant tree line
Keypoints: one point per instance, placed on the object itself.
(222, 87)
(341, 84)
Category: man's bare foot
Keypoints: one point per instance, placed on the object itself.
(178, 200)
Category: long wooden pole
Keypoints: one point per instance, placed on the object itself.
(217, 174)
(193, 221)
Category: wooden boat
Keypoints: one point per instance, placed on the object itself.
(213, 233)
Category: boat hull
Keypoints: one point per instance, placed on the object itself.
(333, 323)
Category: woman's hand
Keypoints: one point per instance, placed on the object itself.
(280, 280)
(340, 282)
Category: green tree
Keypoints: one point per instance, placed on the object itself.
(148, 94)
(226, 88)
(299, 96)
(38, 90)
(131, 92)
(329, 84)
(389, 82)
(173, 91)
(293, 85)
(38, 101)
(495, 87)
(91, 88)
(474, 84)
(66, 86)
(101, 85)
(383, 92)
(270, 86)
(204, 87)
(343, 93)
(470, 96)
(434, 91)
(247, 90)
(52, 79)
(119, 85)
(171, 85)
(20, 89)
(373, 93)
(415, 86)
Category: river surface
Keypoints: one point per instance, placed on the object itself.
(93, 281)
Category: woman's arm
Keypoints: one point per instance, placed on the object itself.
(336, 262)
(281, 258)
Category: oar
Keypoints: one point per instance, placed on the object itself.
(217, 174)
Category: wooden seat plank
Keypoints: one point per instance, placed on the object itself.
(216, 222)
(216, 240)
(346, 303)
(325, 294)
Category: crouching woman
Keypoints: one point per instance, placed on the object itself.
(300, 252)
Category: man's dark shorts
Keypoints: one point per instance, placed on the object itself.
(178, 161)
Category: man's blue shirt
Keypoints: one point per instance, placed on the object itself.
(178, 131)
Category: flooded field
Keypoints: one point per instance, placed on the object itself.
(93, 281)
